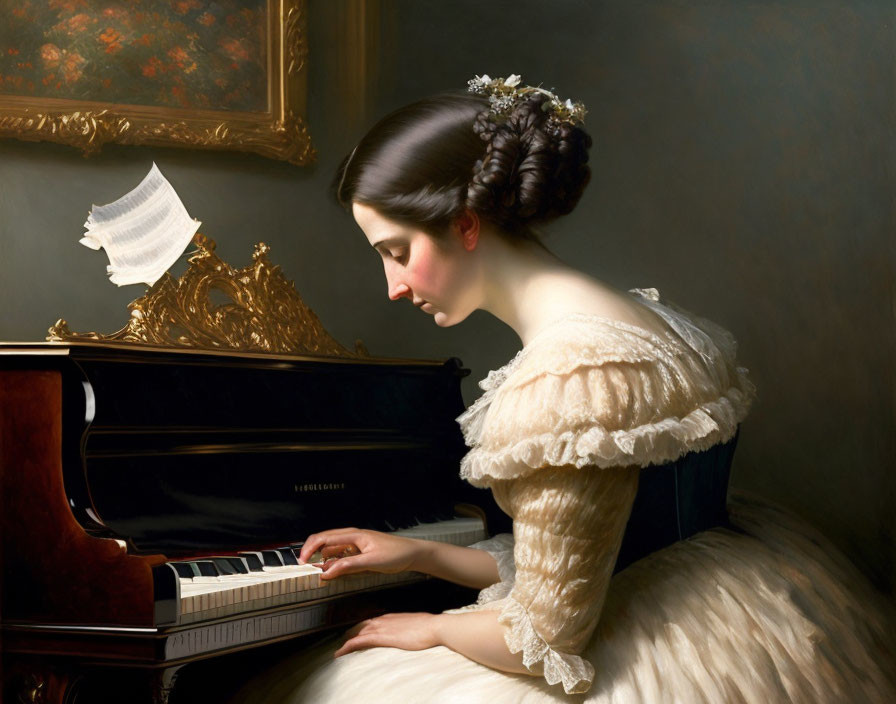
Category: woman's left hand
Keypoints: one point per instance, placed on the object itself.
(414, 631)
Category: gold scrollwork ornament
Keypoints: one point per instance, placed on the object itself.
(263, 311)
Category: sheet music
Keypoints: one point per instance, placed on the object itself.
(143, 232)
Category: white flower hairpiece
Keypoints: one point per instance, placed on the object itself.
(504, 94)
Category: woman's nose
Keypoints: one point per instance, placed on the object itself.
(397, 291)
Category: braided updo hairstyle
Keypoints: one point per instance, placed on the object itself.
(427, 162)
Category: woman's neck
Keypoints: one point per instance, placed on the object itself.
(527, 287)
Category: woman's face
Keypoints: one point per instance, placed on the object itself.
(435, 275)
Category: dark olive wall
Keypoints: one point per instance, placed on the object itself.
(743, 165)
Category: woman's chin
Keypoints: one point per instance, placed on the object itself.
(444, 320)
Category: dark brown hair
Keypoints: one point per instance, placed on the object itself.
(425, 163)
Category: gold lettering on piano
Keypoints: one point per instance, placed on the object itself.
(262, 312)
(319, 486)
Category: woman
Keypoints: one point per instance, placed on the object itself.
(609, 387)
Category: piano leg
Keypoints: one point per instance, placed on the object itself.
(44, 681)
(36, 682)
(163, 683)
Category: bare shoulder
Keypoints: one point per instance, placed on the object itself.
(580, 293)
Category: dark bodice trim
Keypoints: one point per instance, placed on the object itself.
(676, 500)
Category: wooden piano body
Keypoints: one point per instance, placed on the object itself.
(116, 462)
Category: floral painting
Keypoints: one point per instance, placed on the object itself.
(200, 74)
(163, 53)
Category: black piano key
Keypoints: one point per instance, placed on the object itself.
(288, 556)
(238, 564)
(184, 569)
(207, 568)
(224, 566)
(271, 558)
(253, 561)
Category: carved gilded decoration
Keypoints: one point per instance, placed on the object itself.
(280, 132)
(261, 312)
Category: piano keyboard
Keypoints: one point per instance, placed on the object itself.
(216, 587)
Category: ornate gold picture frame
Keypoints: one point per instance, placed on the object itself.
(228, 75)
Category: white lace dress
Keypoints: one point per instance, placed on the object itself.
(768, 612)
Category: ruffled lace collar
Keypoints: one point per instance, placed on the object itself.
(694, 356)
(669, 341)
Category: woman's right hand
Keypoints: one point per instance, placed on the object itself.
(378, 552)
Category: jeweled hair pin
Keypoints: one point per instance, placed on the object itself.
(505, 93)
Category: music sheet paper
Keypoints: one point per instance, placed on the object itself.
(143, 232)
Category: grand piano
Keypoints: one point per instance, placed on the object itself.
(156, 484)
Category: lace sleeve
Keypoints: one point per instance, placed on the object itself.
(568, 526)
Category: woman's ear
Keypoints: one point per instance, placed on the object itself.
(467, 229)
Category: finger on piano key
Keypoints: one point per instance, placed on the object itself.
(345, 567)
(317, 541)
(343, 550)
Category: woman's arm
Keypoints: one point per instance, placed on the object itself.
(468, 567)
(382, 552)
(479, 636)
(475, 634)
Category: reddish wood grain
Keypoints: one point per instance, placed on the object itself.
(54, 572)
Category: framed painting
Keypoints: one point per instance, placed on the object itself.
(224, 75)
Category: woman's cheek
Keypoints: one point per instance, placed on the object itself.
(427, 274)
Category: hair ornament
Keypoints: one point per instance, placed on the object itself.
(505, 93)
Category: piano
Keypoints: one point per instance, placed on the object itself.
(153, 500)
(156, 483)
